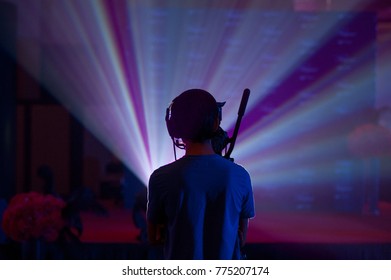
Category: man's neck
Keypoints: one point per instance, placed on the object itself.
(195, 148)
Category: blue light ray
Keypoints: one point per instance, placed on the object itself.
(129, 59)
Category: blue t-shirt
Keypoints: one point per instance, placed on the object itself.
(200, 199)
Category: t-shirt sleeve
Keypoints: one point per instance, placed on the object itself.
(154, 205)
(248, 210)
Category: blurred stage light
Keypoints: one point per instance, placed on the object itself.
(122, 62)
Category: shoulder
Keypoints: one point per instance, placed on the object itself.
(234, 170)
(235, 166)
(165, 171)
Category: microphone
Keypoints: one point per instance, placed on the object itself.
(243, 103)
(242, 109)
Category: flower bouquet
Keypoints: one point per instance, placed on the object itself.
(32, 216)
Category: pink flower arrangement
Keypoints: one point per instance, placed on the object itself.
(32, 216)
(370, 140)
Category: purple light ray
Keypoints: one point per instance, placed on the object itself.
(122, 63)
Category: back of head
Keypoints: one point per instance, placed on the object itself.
(192, 115)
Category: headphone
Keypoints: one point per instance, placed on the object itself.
(178, 126)
(220, 138)
(170, 123)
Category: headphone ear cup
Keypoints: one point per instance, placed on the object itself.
(169, 123)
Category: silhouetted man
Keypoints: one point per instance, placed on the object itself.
(198, 205)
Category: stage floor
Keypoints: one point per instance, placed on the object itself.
(267, 227)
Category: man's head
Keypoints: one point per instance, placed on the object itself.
(193, 115)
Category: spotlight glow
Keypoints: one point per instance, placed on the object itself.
(121, 63)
